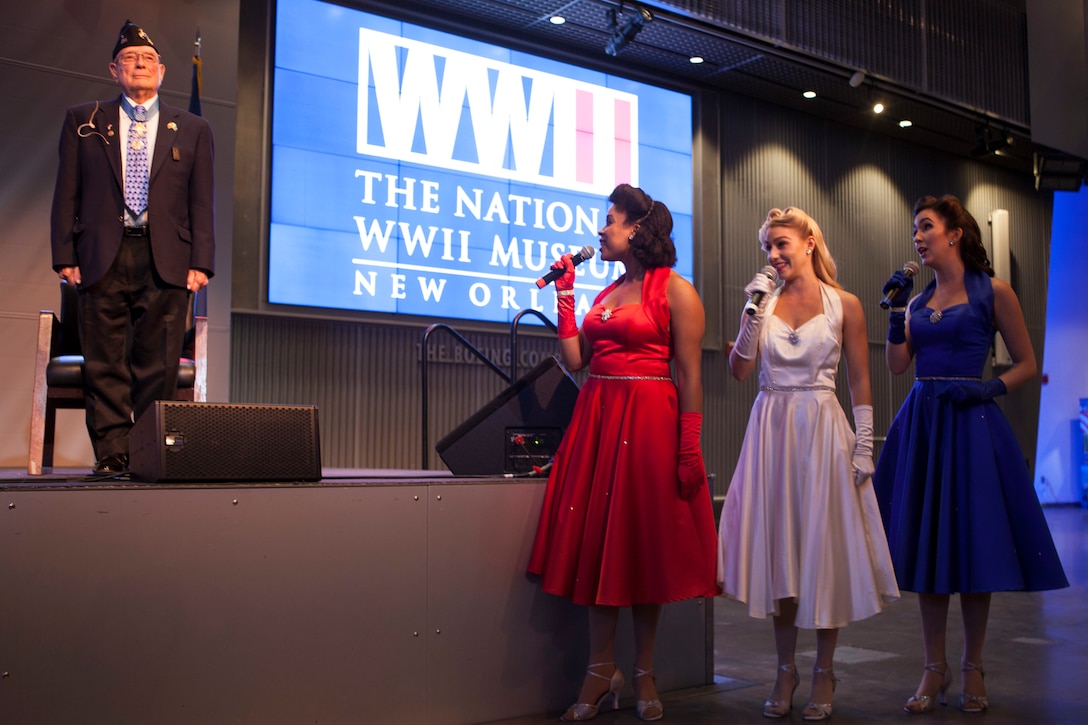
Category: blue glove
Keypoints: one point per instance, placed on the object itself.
(905, 285)
(972, 392)
(897, 328)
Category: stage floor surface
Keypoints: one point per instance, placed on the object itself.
(18, 478)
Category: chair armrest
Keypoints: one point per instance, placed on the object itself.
(200, 357)
(47, 325)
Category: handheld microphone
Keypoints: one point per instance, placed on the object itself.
(752, 306)
(910, 269)
(583, 254)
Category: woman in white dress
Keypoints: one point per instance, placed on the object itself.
(801, 537)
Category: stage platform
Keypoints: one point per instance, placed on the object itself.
(369, 596)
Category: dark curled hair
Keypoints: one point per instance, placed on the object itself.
(955, 216)
(652, 246)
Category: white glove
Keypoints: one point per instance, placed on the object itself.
(747, 344)
(863, 444)
(761, 283)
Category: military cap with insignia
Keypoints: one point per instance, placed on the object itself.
(131, 35)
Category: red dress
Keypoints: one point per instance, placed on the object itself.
(613, 529)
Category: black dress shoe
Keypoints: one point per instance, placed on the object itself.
(112, 465)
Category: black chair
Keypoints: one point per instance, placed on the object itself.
(58, 371)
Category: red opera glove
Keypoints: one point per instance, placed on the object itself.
(690, 467)
(566, 282)
(564, 290)
(568, 326)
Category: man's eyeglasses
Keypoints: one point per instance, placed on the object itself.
(143, 58)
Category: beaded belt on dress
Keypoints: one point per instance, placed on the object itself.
(942, 377)
(796, 388)
(630, 377)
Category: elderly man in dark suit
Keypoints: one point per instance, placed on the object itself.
(133, 228)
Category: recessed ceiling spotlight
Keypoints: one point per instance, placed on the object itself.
(905, 123)
(809, 94)
(557, 20)
(695, 59)
(878, 107)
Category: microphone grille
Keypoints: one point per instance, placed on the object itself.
(770, 272)
(587, 252)
(911, 269)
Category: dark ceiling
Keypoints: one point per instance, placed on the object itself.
(747, 63)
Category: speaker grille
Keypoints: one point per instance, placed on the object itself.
(226, 442)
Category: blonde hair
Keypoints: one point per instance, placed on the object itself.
(792, 217)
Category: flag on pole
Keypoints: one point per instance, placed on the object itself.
(194, 94)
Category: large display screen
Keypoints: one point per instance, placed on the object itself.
(422, 173)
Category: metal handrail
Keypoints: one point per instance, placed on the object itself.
(514, 337)
(423, 374)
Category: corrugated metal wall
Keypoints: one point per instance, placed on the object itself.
(365, 378)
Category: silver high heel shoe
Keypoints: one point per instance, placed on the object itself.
(648, 709)
(816, 711)
(781, 708)
(917, 704)
(586, 711)
(969, 702)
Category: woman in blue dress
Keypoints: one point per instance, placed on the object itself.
(953, 487)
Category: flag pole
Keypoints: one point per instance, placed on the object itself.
(194, 94)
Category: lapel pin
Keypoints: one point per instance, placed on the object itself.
(172, 126)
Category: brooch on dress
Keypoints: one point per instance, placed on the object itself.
(935, 317)
(606, 315)
(795, 339)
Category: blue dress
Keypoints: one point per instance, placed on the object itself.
(953, 487)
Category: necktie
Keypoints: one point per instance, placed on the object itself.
(136, 170)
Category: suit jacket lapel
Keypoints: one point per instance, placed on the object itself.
(165, 137)
(108, 119)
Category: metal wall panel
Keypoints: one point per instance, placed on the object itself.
(365, 381)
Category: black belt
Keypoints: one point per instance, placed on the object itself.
(137, 231)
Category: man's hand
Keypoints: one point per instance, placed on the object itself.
(70, 275)
(197, 280)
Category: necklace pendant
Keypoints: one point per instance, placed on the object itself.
(935, 317)
(606, 315)
(795, 339)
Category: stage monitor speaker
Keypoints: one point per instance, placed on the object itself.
(519, 429)
(198, 442)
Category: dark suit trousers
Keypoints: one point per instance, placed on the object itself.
(131, 328)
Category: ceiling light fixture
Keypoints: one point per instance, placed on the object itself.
(809, 94)
(622, 36)
(991, 141)
(557, 20)
(695, 59)
(857, 79)
(878, 107)
(905, 123)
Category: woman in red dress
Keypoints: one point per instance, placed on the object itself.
(627, 519)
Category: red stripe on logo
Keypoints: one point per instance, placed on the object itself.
(583, 135)
(623, 141)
